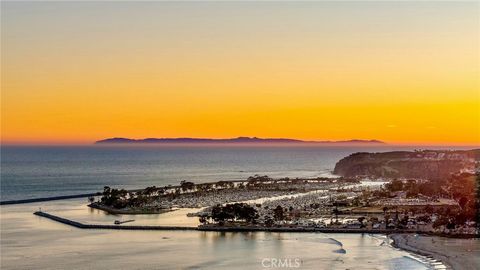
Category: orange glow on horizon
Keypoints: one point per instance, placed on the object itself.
(74, 73)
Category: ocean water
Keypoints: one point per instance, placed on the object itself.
(32, 242)
(43, 171)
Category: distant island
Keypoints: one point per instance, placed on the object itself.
(238, 140)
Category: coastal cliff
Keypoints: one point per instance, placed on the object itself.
(427, 164)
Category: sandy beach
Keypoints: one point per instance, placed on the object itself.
(457, 254)
(32, 242)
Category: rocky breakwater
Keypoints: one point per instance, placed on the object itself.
(425, 164)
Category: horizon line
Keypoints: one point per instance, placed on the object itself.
(384, 144)
(316, 142)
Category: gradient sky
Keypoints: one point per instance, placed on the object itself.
(404, 72)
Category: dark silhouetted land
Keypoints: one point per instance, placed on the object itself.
(238, 140)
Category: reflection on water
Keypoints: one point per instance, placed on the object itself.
(44, 171)
(30, 241)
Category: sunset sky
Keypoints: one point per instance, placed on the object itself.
(404, 72)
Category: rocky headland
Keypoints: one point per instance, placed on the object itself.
(427, 164)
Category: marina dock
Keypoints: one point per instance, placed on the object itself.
(233, 229)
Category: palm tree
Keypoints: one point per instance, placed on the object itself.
(385, 209)
(361, 219)
(336, 212)
(278, 213)
(269, 221)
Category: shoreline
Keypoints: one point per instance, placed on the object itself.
(437, 251)
(46, 199)
(436, 247)
(99, 193)
(400, 242)
(115, 211)
(80, 225)
(237, 228)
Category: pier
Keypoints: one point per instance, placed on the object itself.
(110, 227)
(45, 199)
(235, 228)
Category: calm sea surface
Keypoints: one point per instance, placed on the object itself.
(33, 172)
(32, 242)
